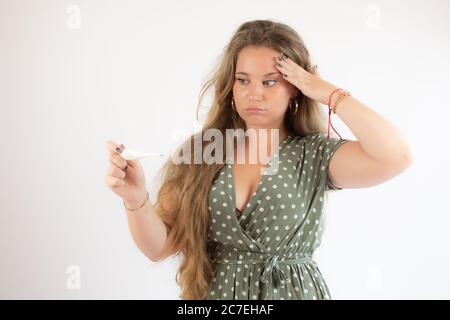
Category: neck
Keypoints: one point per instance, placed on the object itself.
(263, 136)
(262, 140)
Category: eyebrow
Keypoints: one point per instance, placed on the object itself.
(267, 74)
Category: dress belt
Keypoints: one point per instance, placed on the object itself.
(272, 272)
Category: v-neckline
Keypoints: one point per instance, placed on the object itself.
(258, 186)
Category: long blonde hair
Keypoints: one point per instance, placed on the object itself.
(182, 200)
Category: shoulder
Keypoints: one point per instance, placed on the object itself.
(309, 140)
(318, 140)
(317, 144)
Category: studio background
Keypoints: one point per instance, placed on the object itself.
(74, 74)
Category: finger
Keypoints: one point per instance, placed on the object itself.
(292, 71)
(316, 70)
(291, 63)
(284, 58)
(289, 74)
(114, 147)
(113, 182)
(116, 172)
(118, 161)
(284, 68)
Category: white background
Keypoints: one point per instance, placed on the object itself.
(74, 74)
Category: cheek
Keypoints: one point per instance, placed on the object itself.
(279, 102)
(284, 88)
(279, 96)
(237, 92)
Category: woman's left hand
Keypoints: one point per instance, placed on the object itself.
(310, 84)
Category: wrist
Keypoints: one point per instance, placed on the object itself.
(341, 95)
(137, 202)
(333, 93)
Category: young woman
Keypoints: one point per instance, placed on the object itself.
(244, 232)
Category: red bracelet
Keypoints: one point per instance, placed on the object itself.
(331, 94)
(329, 113)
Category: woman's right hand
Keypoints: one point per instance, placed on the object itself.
(128, 184)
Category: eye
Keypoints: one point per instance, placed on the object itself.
(240, 81)
(271, 81)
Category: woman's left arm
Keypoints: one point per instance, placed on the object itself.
(379, 154)
(377, 136)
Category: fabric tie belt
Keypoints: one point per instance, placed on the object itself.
(272, 273)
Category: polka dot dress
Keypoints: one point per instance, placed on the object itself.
(266, 251)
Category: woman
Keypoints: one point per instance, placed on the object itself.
(244, 232)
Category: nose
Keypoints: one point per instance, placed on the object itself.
(256, 91)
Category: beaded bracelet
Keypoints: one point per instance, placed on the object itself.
(341, 96)
(334, 108)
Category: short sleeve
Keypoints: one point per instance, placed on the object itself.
(325, 149)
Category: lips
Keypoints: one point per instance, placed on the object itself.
(254, 108)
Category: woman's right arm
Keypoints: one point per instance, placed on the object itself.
(126, 178)
(148, 231)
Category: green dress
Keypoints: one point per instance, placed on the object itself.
(266, 252)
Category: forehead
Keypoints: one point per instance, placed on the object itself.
(256, 61)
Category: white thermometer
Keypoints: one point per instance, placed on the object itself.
(129, 154)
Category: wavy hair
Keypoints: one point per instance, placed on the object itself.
(182, 200)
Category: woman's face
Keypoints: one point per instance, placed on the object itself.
(259, 84)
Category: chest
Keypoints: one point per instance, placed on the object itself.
(246, 180)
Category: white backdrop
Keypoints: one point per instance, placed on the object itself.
(74, 74)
